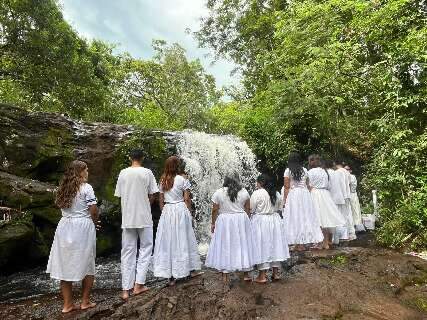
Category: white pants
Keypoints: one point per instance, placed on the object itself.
(133, 270)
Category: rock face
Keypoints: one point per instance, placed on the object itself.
(35, 149)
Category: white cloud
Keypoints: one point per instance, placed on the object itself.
(133, 24)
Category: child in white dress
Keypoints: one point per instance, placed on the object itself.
(329, 216)
(267, 227)
(231, 247)
(300, 219)
(175, 252)
(72, 256)
(354, 202)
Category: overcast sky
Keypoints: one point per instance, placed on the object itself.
(133, 24)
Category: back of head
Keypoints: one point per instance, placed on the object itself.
(170, 171)
(137, 155)
(328, 164)
(233, 185)
(70, 184)
(266, 182)
(295, 165)
(313, 161)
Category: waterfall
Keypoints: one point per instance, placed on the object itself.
(209, 158)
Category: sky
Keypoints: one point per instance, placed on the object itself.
(133, 24)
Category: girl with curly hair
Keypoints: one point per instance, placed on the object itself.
(72, 256)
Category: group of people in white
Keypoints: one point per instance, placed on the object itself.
(316, 207)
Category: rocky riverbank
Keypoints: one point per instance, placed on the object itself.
(346, 283)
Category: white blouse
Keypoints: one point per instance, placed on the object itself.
(261, 202)
(318, 178)
(176, 193)
(84, 198)
(221, 198)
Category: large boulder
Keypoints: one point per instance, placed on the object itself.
(35, 149)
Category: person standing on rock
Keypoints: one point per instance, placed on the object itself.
(72, 256)
(300, 219)
(175, 252)
(136, 187)
(267, 229)
(232, 247)
(354, 202)
(345, 209)
(329, 215)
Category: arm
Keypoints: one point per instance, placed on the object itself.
(161, 200)
(151, 198)
(287, 185)
(94, 213)
(248, 207)
(215, 208)
(308, 184)
(187, 199)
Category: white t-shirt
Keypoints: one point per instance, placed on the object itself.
(84, 198)
(261, 202)
(334, 187)
(318, 178)
(344, 180)
(133, 187)
(176, 193)
(220, 197)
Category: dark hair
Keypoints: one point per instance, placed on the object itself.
(267, 183)
(313, 161)
(233, 185)
(325, 167)
(169, 173)
(295, 165)
(328, 163)
(137, 155)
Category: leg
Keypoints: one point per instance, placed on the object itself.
(67, 295)
(128, 260)
(87, 285)
(262, 275)
(276, 270)
(224, 277)
(325, 244)
(247, 276)
(145, 249)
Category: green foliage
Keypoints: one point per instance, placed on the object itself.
(343, 78)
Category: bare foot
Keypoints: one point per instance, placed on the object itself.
(125, 295)
(276, 277)
(172, 283)
(247, 278)
(139, 288)
(71, 308)
(260, 280)
(87, 305)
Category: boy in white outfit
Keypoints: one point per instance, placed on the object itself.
(136, 187)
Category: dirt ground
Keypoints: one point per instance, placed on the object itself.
(346, 283)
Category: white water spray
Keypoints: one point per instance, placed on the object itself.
(209, 158)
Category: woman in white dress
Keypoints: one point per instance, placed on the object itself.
(231, 247)
(267, 227)
(72, 256)
(175, 252)
(329, 215)
(354, 202)
(345, 209)
(300, 219)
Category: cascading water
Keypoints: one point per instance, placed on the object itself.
(209, 158)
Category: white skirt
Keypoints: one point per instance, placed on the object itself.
(346, 232)
(72, 256)
(357, 214)
(328, 213)
(300, 219)
(269, 237)
(175, 251)
(232, 246)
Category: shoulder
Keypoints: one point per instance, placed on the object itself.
(244, 192)
(287, 172)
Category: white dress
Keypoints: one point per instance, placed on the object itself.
(329, 215)
(232, 246)
(300, 219)
(355, 205)
(347, 232)
(175, 250)
(268, 231)
(72, 255)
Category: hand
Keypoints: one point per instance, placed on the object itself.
(212, 228)
(98, 225)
